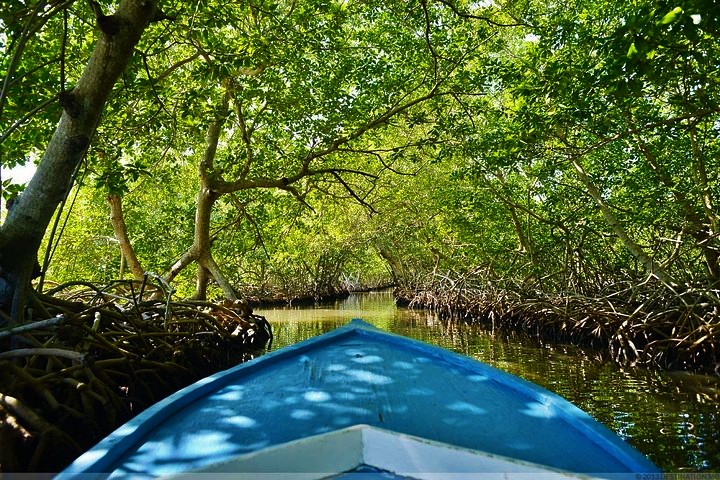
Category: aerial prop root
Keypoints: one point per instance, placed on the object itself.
(645, 325)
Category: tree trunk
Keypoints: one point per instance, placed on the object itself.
(702, 234)
(209, 264)
(525, 245)
(201, 249)
(203, 277)
(636, 250)
(117, 220)
(396, 269)
(186, 259)
(23, 230)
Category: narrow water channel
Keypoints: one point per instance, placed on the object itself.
(672, 417)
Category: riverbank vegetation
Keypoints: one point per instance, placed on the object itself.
(549, 167)
(100, 356)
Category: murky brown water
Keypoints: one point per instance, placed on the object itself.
(672, 417)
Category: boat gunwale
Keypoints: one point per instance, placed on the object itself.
(102, 457)
(591, 429)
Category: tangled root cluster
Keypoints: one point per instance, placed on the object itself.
(102, 355)
(648, 325)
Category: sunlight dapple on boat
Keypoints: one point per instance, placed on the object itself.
(363, 386)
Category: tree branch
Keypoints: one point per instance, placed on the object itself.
(487, 20)
(27, 33)
(185, 259)
(18, 123)
(152, 84)
(695, 117)
(353, 194)
(423, 3)
(246, 135)
(258, 233)
(373, 124)
(175, 66)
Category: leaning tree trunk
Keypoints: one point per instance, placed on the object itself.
(117, 219)
(651, 266)
(23, 230)
(702, 229)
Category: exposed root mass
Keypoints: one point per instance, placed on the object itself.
(647, 325)
(102, 355)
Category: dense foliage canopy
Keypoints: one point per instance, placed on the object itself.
(299, 146)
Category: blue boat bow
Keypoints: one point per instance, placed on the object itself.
(358, 374)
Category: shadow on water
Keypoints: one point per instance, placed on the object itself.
(671, 417)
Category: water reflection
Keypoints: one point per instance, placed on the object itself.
(672, 417)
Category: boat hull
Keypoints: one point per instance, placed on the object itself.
(355, 375)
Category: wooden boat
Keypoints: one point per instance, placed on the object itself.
(323, 406)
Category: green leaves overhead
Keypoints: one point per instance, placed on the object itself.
(38, 59)
(535, 137)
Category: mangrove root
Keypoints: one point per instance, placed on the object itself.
(105, 354)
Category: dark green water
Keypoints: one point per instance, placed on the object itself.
(672, 417)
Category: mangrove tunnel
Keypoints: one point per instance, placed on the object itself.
(522, 167)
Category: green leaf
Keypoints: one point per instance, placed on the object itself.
(671, 16)
(632, 51)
